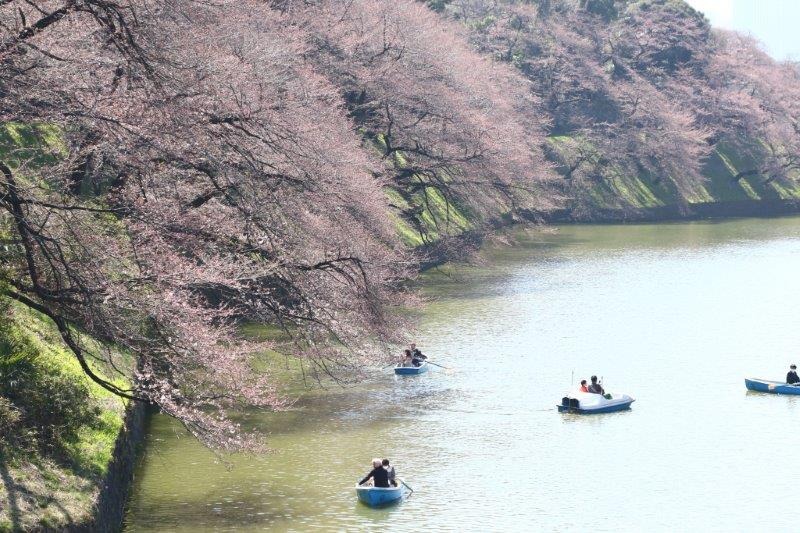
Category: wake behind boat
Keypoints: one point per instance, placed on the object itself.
(773, 387)
(591, 403)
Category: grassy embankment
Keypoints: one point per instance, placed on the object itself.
(57, 428)
(615, 190)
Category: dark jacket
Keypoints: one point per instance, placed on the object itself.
(596, 388)
(379, 475)
(792, 377)
(417, 357)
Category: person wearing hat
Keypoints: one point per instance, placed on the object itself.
(791, 376)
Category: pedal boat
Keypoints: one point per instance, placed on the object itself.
(587, 403)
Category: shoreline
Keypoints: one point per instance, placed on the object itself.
(460, 246)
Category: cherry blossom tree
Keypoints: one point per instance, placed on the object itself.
(207, 174)
(642, 88)
(441, 116)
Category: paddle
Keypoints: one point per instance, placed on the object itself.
(440, 366)
(406, 485)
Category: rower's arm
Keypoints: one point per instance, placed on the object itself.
(366, 478)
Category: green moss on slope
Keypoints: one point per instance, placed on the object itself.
(54, 455)
(610, 188)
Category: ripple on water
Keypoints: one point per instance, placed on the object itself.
(675, 315)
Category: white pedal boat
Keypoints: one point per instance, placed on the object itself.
(590, 403)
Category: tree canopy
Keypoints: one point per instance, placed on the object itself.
(174, 167)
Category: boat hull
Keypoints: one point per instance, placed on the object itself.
(588, 404)
(623, 406)
(772, 387)
(378, 497)
(411, 370)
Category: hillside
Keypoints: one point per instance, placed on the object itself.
(57, 429)
(647, 105)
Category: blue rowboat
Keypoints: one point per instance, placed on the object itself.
(378, 496)
(774, 387)
(587, 403)
(411, 370)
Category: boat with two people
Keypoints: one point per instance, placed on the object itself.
(412, 363)
(385, 488)
(593, 399)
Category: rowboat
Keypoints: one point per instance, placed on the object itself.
(774, 387)
(588, 403)
(379, 496)
(411, 370)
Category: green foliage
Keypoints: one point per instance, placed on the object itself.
(53, 407)
(426, 216)
(484, 23)
(678, 6)
(605, 8)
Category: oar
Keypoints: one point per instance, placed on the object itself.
(440, 366)
(406, 485)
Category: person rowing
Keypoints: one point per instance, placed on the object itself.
(417, 357)
(379, 475)
(791, 376)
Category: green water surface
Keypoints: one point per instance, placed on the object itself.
(676, 315)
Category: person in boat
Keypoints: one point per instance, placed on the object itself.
(408, 358)
(595, 387)
(584, 388)
(390, 470)
(379, 475)
(791, 376)
(417, 356)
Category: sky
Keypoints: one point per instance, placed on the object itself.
(776, 23)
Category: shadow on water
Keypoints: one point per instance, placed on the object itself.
(409, 397)
(383, 513)
(217, 510)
